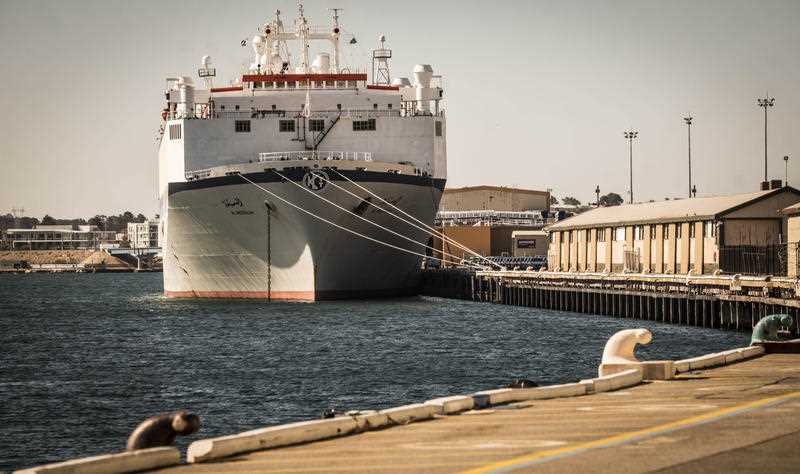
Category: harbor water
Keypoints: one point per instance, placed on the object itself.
(86, 357)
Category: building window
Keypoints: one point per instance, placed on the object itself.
(363, 125)
(619, 234)
(438, 128)
(316, 125)
(709, 229)
(243, 126)
(286, 125)
(389, 106)
(175, 132)
(237, 107)
(692, 227)
(601, 235)
(678, 231)
(665, 228)
(638, 232)
(375, 106)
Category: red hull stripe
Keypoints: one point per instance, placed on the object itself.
(226, 89)
(275, 295)
(383, 88)
(302, 77)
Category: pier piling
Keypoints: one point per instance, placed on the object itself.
(708, 304)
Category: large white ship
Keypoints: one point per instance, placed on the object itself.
(288, 183)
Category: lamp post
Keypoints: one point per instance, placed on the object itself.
(630, 135)
(766, 102)
(688, 121)
(786, 162)
(597, 192)
(694, 191)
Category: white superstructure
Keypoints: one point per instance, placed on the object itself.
(269, 186)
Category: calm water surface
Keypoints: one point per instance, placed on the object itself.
(86, 357)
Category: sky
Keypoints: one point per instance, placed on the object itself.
(538, 93)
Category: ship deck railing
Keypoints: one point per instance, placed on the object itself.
(315, 155)
(197, 174)
(262, 114)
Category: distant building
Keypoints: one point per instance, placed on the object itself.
(494, 198)
(698, 235)
(792, 214)
(528, 243)
(144, 234)
(59, 237)
(483, 218)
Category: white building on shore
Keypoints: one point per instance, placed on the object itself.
(60, 237)
(144, 234)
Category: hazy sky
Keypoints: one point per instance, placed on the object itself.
(538, 92)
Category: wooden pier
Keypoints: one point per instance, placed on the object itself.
(730, 302)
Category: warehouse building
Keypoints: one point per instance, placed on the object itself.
(792, 214)
(483, 218)
(494, 198)
(698, 235)
(529, 243)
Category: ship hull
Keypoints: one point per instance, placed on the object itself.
(226, 237)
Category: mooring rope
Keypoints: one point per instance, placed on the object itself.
(416, 242)
(428, 228)
(341, 227)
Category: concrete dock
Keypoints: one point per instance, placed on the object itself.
(743, 417)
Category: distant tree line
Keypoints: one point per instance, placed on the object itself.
(610, 199)
(118, 223)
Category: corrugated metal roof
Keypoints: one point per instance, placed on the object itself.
(791, 210)
(663, 211)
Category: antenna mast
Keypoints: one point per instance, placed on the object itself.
(302, 33)
(335, 38)
(380, 64)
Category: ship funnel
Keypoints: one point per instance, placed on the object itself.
(185, 105)
(423, 74)
(322, 63)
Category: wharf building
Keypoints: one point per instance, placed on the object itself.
(743, 233)
(60, 237)
(485, 218)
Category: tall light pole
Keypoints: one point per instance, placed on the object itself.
(766, 102)
(786, 161)
(597, 192)
(688, 121)
(630, 135)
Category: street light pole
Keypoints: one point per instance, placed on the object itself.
(786, 162)
(597, 192)
(766, 102)
(630, 135)
(688, 121)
